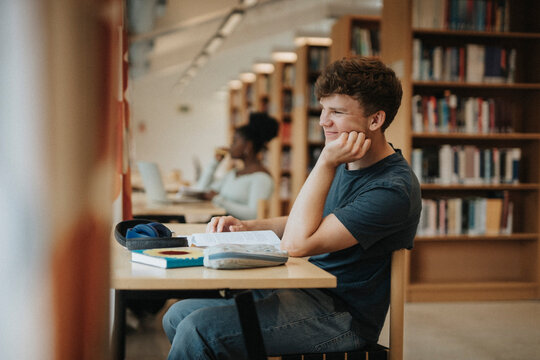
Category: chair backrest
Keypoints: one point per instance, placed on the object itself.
(397, 300)
(152, 181)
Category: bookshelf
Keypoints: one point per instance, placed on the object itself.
(355, 35)
(262, 90)
(247, 96)
(437, 113)
(307, 135)
(280, 147)
(235, 107)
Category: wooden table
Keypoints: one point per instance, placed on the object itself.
(128, 277)
(201, 211)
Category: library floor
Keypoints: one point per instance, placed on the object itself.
(487, 330)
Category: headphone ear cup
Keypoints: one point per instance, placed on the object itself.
(141, 230)
(161, 229)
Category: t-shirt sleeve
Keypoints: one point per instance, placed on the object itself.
(375, 214)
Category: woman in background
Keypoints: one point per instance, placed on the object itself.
(239, 191)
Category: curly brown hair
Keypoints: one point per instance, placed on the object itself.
(369, 81)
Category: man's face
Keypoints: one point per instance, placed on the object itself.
(342, 113)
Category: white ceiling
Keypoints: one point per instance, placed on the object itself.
(186, 25)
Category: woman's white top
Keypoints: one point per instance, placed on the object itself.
(237, 194)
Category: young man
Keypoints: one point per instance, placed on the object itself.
(360, 202)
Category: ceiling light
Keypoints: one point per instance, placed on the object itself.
(263, 68)
(235, 84)
(248, 3)
(315, 41)
(247, 77)
(201, 60)
(230, 24)
(213, 44)
(191, 72)
(284, 56)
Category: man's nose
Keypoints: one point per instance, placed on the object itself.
(324, 120)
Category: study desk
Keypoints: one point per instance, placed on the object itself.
(195, 210)
(128, 277)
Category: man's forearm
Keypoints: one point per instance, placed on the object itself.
(276, 224)
(307, 211)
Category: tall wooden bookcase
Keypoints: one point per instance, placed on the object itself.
(236, 115)
(446, 267)
(280, 147)
(263, 81)
(355, 35)
(307, 137)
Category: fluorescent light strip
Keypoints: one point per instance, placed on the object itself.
(201, 60)
(248, 3)
(230, 24)
(213, 45)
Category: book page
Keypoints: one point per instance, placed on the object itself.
(240, 237)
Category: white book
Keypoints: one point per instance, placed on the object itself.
(267, 237)
(417, 59)
(437, 63)
(446, 164)
(475, 63)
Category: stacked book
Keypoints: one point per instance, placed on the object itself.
(472, 15)
(466, 164)
(451, 113)
(466, 216)
(470, 63)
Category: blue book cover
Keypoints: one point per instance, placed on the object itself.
(169, 257)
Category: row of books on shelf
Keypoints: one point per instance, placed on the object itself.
(365, 42)
(466, 216)
(318, 58)
(287, 102)
(315, 132)
(288, 75)
(285, 188)
(285, 132)
(313, 101)
(466, 164)
(470, 63)
(286, 160)
(473, 15)
(450, 113)
(313, 155)
(264, 83)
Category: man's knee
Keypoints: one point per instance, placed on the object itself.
(176, 313)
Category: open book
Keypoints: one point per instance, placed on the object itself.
(267, 237)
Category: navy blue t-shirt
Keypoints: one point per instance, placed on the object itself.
(380, 206)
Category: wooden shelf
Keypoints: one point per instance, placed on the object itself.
(481, 267)
(479, 187)
(475, 291)
(511, 237)
(466, 136)
(469, 35)
(468, 85)
(280, 108)
(311, 59)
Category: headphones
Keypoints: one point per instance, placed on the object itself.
(146, 234)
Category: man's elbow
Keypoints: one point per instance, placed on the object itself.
(296, 249)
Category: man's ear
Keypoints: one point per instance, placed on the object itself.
(376, 120)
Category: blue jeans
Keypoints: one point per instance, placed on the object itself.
(291, 321)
